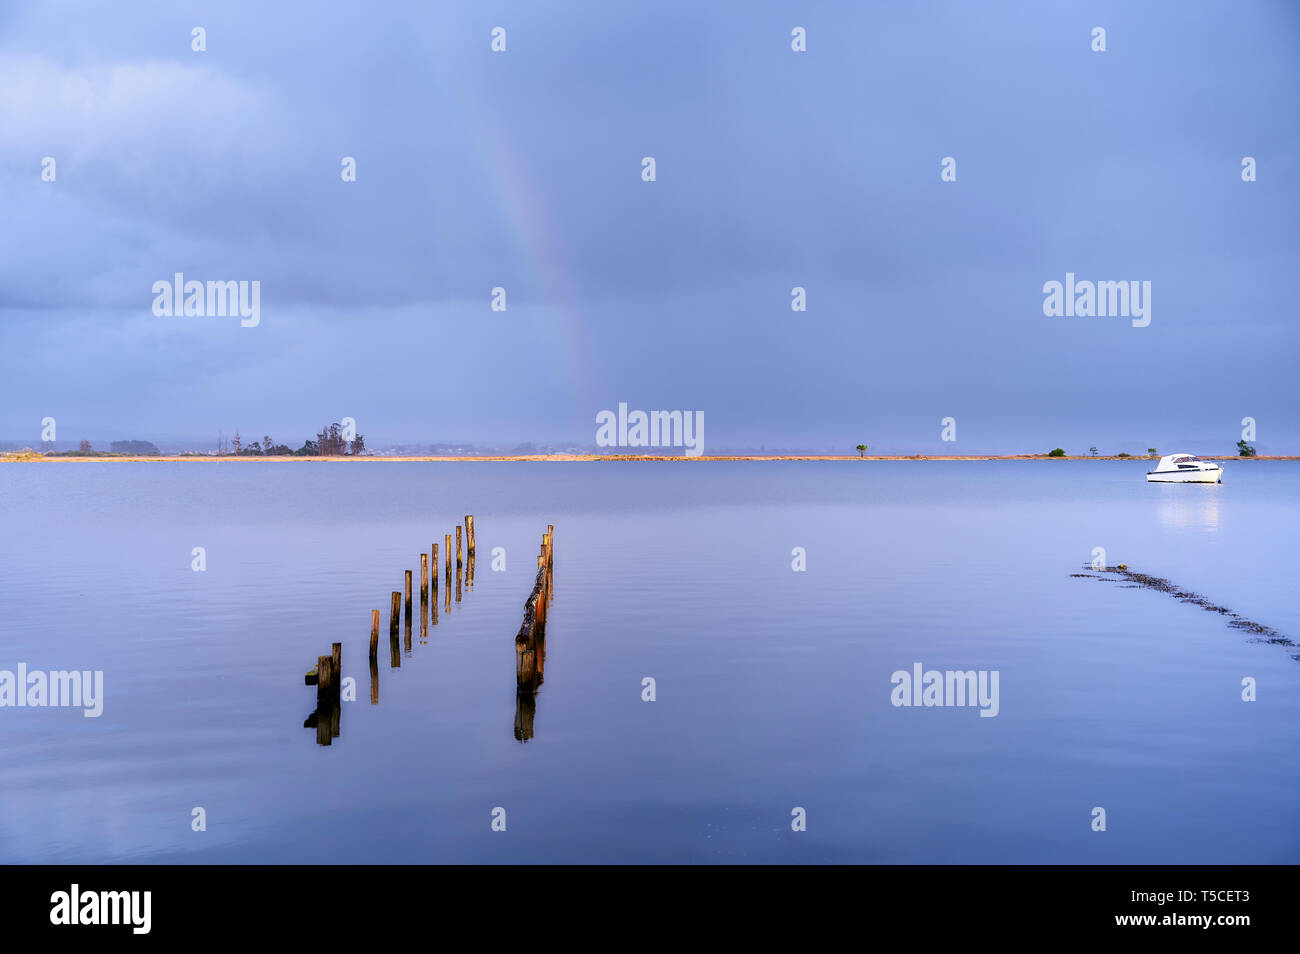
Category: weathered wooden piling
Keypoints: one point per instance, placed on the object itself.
(424, 576)
(374, 634)
(394, 646)
(324, 680)
(459, 561)
(435, 568)
(530, 632)
(336, 665)
(446, 602)
(407, 594)
(469, 534)
(525, 665)
(374, 680)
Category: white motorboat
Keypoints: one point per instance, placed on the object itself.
(1186, 469)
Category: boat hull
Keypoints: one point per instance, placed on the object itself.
(1187, 476)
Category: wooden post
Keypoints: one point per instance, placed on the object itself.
(525, 663)
(407, 591)
(459, 561)
(550, 543)
(446, 542)
(395, 647)
(374, 634)
(424, 576)
(374, 679)
(435, 568)
(337, 666)
(424, 615)
(324, 684)
(469, 534)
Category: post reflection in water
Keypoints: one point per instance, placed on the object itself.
(526, 693)
(325, 720)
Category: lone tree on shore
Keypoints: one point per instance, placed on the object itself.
(1092, 451)
(1056, 452)
(862, 450)
(83, 448)
(1244, 449)
(1152, 451)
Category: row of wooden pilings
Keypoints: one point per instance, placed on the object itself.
(327, 677)
(530, 642)
(402, 597)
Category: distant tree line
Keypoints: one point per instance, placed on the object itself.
(329, 442)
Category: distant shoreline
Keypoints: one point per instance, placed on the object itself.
(607, 458)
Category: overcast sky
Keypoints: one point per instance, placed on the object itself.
(775, 168)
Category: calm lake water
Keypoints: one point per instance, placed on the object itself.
(772, 686)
